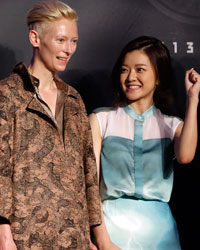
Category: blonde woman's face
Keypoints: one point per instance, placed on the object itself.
(58, 44)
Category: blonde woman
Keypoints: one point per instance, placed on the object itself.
(48, 181)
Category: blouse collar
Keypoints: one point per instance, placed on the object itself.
(140, 117)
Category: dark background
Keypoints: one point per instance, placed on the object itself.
(105, 26)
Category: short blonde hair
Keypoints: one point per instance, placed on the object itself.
(48, 11)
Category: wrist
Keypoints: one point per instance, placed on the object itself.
(193, 99)
(103, 241)
(5, 230)
(104, 244)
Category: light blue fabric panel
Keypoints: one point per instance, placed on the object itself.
(117, 167)
(120, 177)
(158, 169)
(138, 159)
(141, 225)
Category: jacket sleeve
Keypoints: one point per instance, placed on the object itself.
(92, 187)
(5, 156)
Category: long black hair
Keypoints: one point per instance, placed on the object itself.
(160, 58)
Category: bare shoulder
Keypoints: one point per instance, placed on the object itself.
(93, 121)
(93, 118)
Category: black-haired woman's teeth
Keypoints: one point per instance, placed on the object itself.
(133, 87)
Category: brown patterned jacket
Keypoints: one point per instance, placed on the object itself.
(48, 188)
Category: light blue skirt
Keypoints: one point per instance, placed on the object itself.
(141, 225)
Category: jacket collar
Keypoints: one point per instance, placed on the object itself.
(29, 82)
(22, 71)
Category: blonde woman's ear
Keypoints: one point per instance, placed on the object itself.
(34, 38)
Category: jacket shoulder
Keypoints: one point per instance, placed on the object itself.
(73, 92)
(12, 81)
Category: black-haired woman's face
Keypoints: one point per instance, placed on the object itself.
(138, 77)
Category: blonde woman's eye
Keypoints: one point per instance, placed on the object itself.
(60, 40)
(74, 41)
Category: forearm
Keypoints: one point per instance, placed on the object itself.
(100, 231)
(185, 145)
(101, 234)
